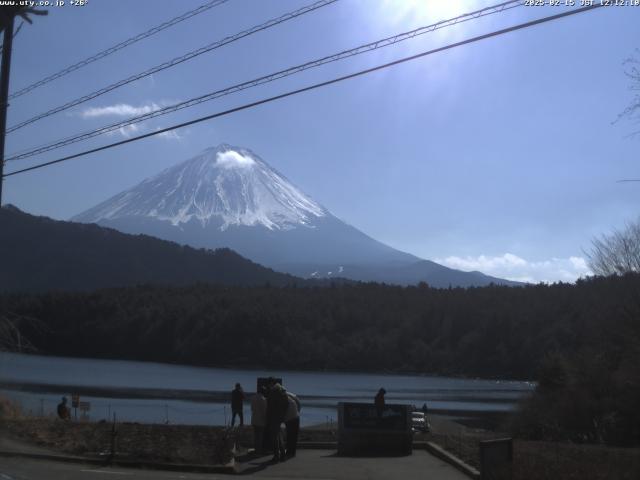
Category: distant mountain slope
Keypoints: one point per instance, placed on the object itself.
(434, 274)
(230, 197)
(39, 254)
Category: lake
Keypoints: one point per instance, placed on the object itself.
(158, 393)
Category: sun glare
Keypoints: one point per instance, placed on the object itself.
(431, 11)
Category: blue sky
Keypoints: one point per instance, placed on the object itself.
(500, 156)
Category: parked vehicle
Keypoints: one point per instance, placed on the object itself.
(419, 422)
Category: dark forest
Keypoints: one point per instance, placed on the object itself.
(580, 342)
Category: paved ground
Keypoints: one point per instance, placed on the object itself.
(13, 445)
(309, 464)
(23, 469)
(325, 464)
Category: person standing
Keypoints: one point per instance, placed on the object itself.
(277, 404)
(292, 423)
(379, 401)
(237, 399)
(63, 411)
(259, 418)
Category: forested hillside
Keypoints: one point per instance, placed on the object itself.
(490, 331)
(41, 254)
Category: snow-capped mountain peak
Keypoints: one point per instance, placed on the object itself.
(224, 185)
(229, 197)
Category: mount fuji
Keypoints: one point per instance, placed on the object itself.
(229, 197)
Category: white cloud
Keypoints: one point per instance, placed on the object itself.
(483, 262)
(231, 158)
(171, 134)
(513, 267)
(128, 130)
(120, 110)
(578, 263)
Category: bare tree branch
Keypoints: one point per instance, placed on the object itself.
(632, 71)
(617, 253)
(9, 12)
(11, 337)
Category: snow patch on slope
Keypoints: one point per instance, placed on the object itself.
(233, 159)
(225, 184)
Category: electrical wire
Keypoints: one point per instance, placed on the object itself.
(501, 7)
(313, 87)
(119, 46)
(176, 61)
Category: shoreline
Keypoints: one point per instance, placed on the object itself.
(208, 396)
(478, 418)
(454, 376)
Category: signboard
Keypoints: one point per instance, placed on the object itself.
(363, 430)
(365, 416)
(84, 406)
(496, 459)
(75, 398)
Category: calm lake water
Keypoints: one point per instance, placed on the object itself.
(34, 382)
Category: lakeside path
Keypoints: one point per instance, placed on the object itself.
(308, 464)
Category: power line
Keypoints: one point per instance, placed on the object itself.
(313, 87)
(269, 78)
(119, 46)
(176, 61)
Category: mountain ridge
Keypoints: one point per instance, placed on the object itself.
(228, 196)
(42, 254)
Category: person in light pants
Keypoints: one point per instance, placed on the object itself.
(292, 423)
(259, 418)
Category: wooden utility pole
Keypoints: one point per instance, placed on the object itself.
(4, 87)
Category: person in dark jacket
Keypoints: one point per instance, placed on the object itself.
(237, 398)
(63, 411)
(379, 401)
(277, 404)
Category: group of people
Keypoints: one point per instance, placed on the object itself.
(271, 406)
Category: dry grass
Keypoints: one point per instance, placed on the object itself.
(9, 410)
(160, 443)
(551, 460)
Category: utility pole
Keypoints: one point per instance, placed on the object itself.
(4, 88)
